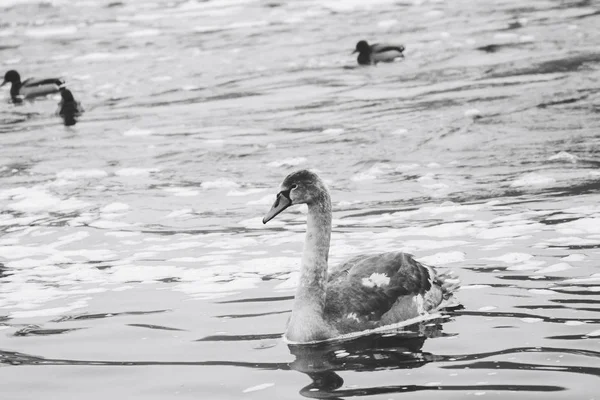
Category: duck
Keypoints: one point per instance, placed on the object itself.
(374, 53)
(367, 292)
(31, 87)
(69, 109)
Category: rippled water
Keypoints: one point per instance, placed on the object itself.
(132, 258)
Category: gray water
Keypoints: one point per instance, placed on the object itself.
(133, 262)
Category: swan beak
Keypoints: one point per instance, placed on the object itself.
(355, 51)
(281, 203)
(4, 83)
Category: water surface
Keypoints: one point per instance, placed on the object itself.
(133, 262)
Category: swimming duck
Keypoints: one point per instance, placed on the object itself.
(365, 292)
(374, 53)
(68, 108)
(31, 87)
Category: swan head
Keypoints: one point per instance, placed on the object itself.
(300, 187)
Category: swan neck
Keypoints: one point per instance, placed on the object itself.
(307, 322)
(313, 275)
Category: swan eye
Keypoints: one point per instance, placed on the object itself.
(294, 186)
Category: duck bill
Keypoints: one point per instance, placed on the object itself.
(281, 203)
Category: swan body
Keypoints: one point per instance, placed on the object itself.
(374, 53)
(31, 87)
(69, 109)
(364, 293)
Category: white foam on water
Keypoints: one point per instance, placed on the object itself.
(591, 279)
(531, 320)
(290, 283)
(542, 291)
(529, 265)
(593, 333)
(421, 245)
(181, 191)
(573, 241)
(451, 207)
(35, 200)
(143, 33)
(363, 176)
(399, 132)
(49, 312)
(526, 38)
(179, 213)
(563, 156)
(212, 288)
(67, 239)
(554, 268)
(487, 308)
(265, 266)
(221, 183)
(588, 225)
(333, 131)
(202, 259)
(443, 258)
(98, 56)
(142, 273)
(106, 224)
(406, 167)
(262, 386)
(511, 258)
(136, 171)
(387, 23)
(575, 323)
(49, 32)
(70, 174)
(138, 132)
(473, 287)
(122, 234)
(288, 162)
(164, 78)
(533, 179)
(441, 230)
(372, 173)
(472, 113)
(239, 193)
(115, 207)
(510, 231)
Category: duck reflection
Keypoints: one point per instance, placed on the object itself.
(399, 349)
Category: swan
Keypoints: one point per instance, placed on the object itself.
(364, 293)
(374, 53)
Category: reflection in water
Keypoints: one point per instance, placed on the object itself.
(389, 350)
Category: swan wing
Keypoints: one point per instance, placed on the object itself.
(367, 287)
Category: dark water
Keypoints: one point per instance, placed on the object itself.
(132, 258)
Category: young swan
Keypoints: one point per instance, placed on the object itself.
(366, 292)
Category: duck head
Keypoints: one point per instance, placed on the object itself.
(66, 94)
(362, 47)
(11, 76)
(300, 187)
